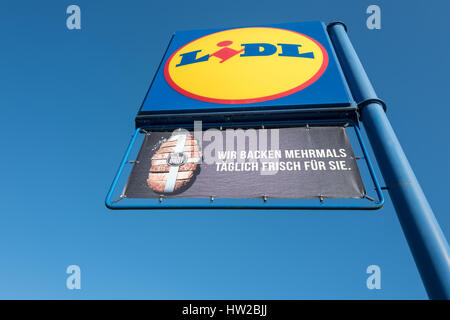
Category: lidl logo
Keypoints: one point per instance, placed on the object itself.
(246, 65)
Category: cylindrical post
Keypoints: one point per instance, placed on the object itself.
(426, 240)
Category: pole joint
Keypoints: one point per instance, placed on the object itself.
(364, 103)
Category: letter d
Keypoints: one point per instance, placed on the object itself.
(258, 49)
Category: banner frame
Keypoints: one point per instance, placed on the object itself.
(228, 203)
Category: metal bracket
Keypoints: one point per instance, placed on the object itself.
(364, 103)
(122, 196)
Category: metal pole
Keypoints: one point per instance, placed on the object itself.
(426, 240)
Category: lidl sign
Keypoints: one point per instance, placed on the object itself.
(288, 65)
(273, 62)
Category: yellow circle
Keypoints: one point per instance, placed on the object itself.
(218, 68)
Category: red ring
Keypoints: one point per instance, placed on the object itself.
(253, 100)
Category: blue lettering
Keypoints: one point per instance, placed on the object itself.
(292, 50)
(254, 49)
(191, 57)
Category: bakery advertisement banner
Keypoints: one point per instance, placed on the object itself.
(300, 162)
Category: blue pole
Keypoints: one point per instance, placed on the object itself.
(426, 240)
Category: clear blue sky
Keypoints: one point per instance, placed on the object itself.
(68, 101)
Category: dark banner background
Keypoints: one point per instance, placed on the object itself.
(252, 184)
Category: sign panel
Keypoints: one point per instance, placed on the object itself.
(251, 58)
(300, 162)
(260, 67)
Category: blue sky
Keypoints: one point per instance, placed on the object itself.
(68, 101)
